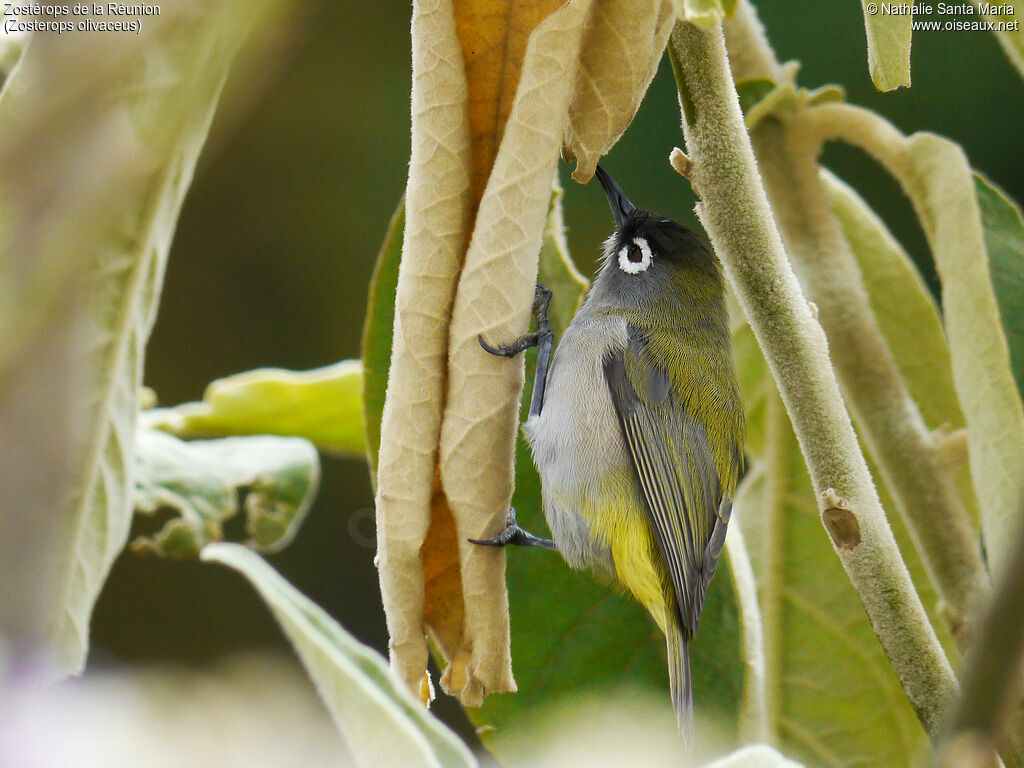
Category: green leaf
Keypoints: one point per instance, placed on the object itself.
(751, 92)
(1004, 241)
(321, 405)
(383, 725)
(1011, 36)
(557, 270)
(203, 483)
(832, 697)
(96, 165)
(909, 319)
(889, 37)
(936, 175)
(378, 331)
(570, 633)
(907, 314)
(704, 13)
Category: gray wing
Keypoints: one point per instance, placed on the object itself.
(675, 470)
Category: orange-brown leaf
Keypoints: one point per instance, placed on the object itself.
(493, 35)
(443, 609)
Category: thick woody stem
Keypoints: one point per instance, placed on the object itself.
(909, 456)
(735, 212)
(905, 450)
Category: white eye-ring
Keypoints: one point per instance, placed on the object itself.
(628, 261)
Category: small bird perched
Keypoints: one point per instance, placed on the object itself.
(638, 432)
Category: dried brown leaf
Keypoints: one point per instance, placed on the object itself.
(493, 35)
(492, 86)
(436, 230)
(621, 50)
(494, 298)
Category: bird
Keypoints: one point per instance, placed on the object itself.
(637, 429)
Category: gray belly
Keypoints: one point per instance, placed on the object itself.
(576, 440)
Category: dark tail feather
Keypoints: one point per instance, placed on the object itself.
(679, 677)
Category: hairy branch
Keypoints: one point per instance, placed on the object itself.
(908, 456)
(735, 212)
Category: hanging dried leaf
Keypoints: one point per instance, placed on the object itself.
(621, 51)
(436, 230)
(493, 35)
(492, 87)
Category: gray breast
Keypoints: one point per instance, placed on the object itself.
(576, 440)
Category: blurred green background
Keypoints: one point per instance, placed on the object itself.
(277, 240)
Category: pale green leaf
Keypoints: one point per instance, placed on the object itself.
(939, 181)
(383, 725)
(204, 482)
(889, 37)
(908, 317)
(99, 136)
(1011, 34)
(704, 13)
(906, 312)
(1004, 241)
(832, 697)
(322, 405)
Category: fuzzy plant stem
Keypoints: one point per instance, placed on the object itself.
(910, 457)
(735, 212)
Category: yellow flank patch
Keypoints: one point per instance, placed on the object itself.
(617, 519)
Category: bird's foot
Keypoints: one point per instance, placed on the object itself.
(541, 301)
(516, 536)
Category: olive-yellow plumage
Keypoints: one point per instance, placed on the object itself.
(639, 430)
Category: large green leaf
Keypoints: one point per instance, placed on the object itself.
(378, 330)
(382, 723)
(204, 482)
(937, 177)
(1004, 241)
(322, 405)
(99, 136)
(906, 313)
(832, 697)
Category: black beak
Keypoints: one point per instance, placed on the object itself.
(617, 200)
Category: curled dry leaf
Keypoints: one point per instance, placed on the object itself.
(493, 37)
(623, 44)
(494, 297)
(436, 229)
(492, 86)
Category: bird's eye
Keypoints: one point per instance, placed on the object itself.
(635, 257)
